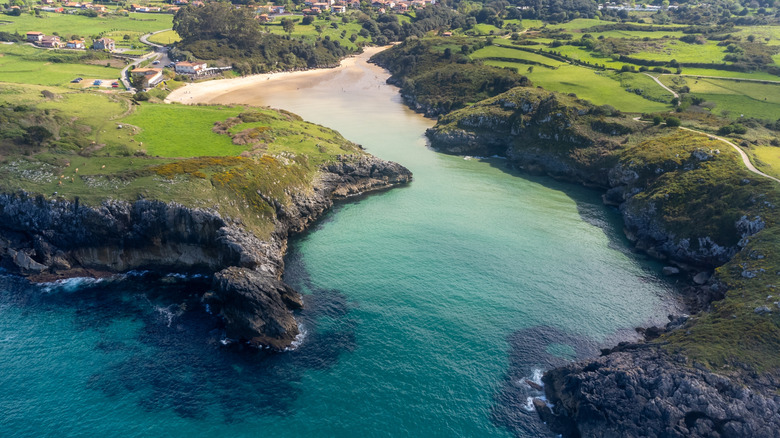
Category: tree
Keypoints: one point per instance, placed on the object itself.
(288, 25)
(672, 122)
(657, 120)
(307, 19)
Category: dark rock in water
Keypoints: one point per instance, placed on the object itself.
(642, 391)
(670, 270)
(257, 307)
(534, 385)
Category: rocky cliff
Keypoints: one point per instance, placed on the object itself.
(49, 238)
(685, 199)
(643, 391)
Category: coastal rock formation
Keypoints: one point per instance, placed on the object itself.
(683, 202)
(55, 238)
(640, 390)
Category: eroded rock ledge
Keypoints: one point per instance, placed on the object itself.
(642, 391)
(46, 239)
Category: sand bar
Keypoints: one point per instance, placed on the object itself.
(210, 91)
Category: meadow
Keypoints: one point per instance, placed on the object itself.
(88, 27)
(766, 158)
(587, 84)
(182, 131)
(736, 99)
(333, 28)
(23, 64)
(165, 38)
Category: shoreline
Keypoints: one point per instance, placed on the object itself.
(206, 92)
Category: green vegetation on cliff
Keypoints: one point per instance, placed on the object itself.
(685, 197)
(438, 75)
(94, 146)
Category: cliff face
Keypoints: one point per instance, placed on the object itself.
(683, 201)
(46, 239)
(643, 391)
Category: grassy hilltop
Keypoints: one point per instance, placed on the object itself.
(93, 146)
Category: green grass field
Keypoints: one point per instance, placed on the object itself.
(684, 52)
(496, 51)
(650, 89)
(735, 99)
(584, 55)
(28, 65)
(183, 131)
(66, 24)
(309, 31)
(767, 159)
(730, 74)
(588, 84)
(165, 38)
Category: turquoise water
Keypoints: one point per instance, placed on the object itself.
(426, 306)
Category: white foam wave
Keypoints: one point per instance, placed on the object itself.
(70, 284)
(298, 338)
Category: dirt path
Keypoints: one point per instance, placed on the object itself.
(742, 153)
(662, 85)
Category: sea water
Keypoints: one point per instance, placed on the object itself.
(427, 307)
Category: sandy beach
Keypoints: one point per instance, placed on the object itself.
(220, 91)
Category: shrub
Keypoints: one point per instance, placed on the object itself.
(672, 122)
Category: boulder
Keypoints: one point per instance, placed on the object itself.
(257, 307)
(670, 270)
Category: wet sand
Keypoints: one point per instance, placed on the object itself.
(251, 89)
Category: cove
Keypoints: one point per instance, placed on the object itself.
(426, 306)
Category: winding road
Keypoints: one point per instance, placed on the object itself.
(159, 52)
(742, 153)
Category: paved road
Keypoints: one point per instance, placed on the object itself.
(742, 153)
(160, 54)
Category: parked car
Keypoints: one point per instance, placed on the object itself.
(155, 62)
(115, 84)
(77, 80)
(97, 82)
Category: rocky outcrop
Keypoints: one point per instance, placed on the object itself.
(661, 190)
(642, 391)
(51, 238)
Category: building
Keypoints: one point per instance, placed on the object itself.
(189, 68)
(75, 44)
(52, 41)
(104, 44)
(151, 76)
(34, 37)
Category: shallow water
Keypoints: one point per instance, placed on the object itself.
(426, 307)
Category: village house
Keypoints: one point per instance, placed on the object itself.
(263, 18)
(151, 76)
(47, 2)
(322, 6)
(104, 44)
(189, 68)
(34, 37)
(75, 44)
(338, 9)
(51, 41)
